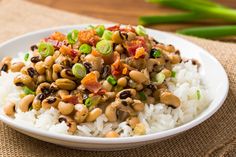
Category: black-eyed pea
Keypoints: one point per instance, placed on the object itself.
(26, 102)
(43, 88)
(138, 76)
(94, 114)
(49, 75)
(39, 67)
(150, 100)
(139, 129)
(107, 86)
(65, 84)
(138, 106)
(131, 36)
(110, 113)
(56, 68)
(81, 113)
(174, 59)
(50, 102)
(166, 72)
(116, 37)
(112, 134)
(37, 103)
(119, 48)
(169, 99)
(62, 93)
(65, 108)
(133, 121)
(23, 79)
(48, 62)
(67, 73)
(56, 54)
(139, 87)
(17, 66)
(41, 79)
(9, 109)
(69, 122)
(54, 76)
(122, 82)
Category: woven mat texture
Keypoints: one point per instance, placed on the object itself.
(215, 137)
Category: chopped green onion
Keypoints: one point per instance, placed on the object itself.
(85, 48)
(200, 7)
(118, 88)
(198, 95)
(31, 108)
(140, 30)
(172, 18)
(142, 96)
(72, 37)
(160, 78)
(210, 31)
(157, 54)
(173, 73)
(88, 102)
(92, 101)
(111, 80)
(107, 35)
(99, 30)
(28, 91)
(26, 57)
(45, 49)
(79, 70)
(104, 47)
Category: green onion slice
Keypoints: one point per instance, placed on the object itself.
(111, 80)
(104, 47)
(85, 48)
(140, 30)
(157, 54)
(100, 30)
(92, 101)
(28, 91)
(26, 57)
(107, 35)
(173, 73)
(79, 70)
(142, 96)
(72, 37)
(160, 78)
(198, 95)
(45, 49)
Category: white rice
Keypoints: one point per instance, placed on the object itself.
(155, 118)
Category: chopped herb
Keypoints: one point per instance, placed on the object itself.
(28, 91)
(111, 80)
(142, 96)
(26, 57)
(157, 54)
(173, 73)
(198, 95)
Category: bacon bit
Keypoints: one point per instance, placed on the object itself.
(114, 28)
(127, 29)
(58, 36)
(88, 37)
(71, 99)
(67, 50)
(91, 83)
(140, 52)
(101, 92)
(134, 44)
(55, 43)
(125, 71)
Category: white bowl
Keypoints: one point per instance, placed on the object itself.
(215, 78)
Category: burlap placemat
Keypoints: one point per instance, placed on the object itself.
(214, 137)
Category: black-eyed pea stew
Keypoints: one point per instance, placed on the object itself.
(91, 73)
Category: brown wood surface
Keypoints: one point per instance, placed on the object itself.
(124, 11)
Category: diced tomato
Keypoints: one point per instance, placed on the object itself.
(134, 44)
(140, 52)
(91, 83)
(101, 92)
(114, 28)
(73, 99)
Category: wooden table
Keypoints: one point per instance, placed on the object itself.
(123, 11)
